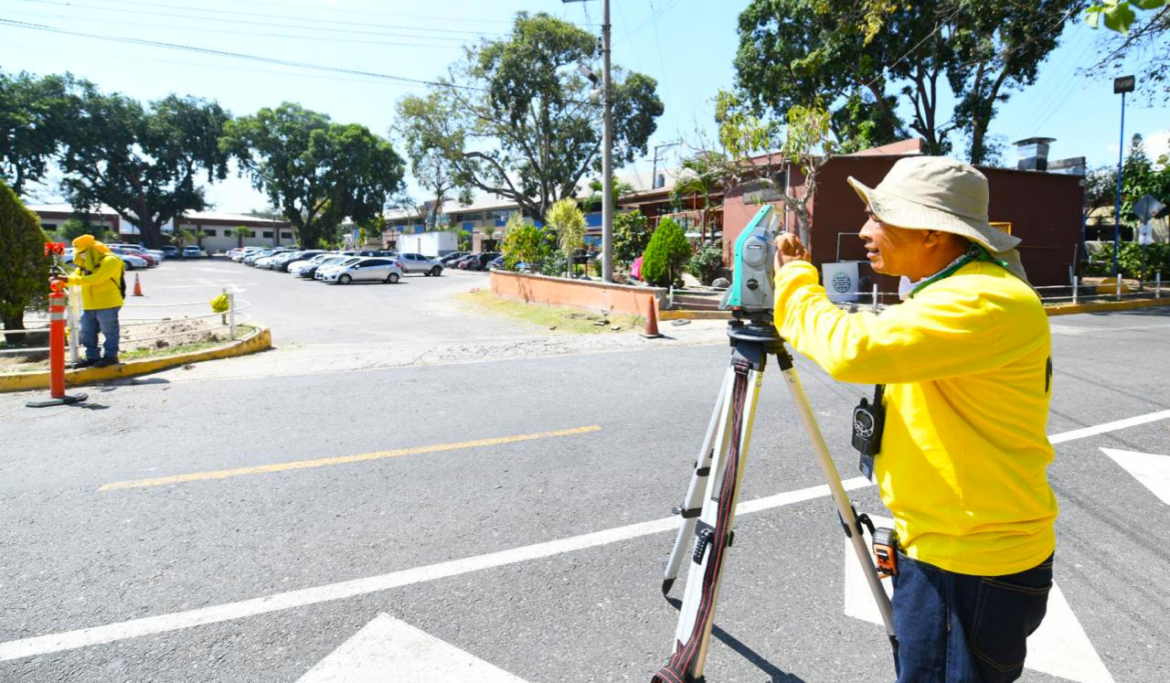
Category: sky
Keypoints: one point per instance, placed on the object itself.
(687, 45)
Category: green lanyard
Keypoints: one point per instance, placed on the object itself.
(975, 253)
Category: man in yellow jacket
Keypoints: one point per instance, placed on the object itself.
(966, 360)
(103, 289)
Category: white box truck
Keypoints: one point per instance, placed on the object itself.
(432, 244)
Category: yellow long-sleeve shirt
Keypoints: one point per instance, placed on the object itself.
(99, 289)
(964, 455)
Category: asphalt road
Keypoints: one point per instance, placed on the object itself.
(167, 576)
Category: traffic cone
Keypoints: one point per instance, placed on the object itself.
(651, 329)
(137, 286)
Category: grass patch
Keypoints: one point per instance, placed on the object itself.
(553, 318)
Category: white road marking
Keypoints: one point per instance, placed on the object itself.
(1058, 648)
(163, 623)
(1153, 471)
(1109, 427)
(388, 650)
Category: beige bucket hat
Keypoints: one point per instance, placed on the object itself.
(936, 193)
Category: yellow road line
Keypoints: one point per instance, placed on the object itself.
(341, 460)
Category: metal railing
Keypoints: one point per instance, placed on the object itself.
(1077, 291)
(230, 319)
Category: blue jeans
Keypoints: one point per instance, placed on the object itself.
(957, 628)
(105, 320)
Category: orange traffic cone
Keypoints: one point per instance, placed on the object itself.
(651, 329)
(137, 286)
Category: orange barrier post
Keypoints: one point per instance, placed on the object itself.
(651, 329)
(137, 286)
(57, 394)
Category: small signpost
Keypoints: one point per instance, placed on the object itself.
(1146, 209)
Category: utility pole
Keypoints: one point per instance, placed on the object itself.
(606, 147)
(654, 169)
(606, 152)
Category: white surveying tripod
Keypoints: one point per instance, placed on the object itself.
(708, 511)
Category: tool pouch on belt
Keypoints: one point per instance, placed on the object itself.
(869, 419)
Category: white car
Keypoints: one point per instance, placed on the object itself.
(244, 253)
(298, 268)
(372, 269)
(326, 269)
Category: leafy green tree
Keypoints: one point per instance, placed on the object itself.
(316, 171)
(488, 233)
(185, 236)
(143, 163)
(797, 52)
(463, 240)
(518, 119)
(631, 234)
(1147, 35)
(525, 243)
(594, 201)
(424, 124)
(1139, 177)
(666, 254)
(34, 116)
(567, 221)
(73, 228)
(24, 270)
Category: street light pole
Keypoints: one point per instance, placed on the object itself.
(606, 152)
(1120, 85)
(654, 169)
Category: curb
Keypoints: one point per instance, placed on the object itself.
(260, 340)
(1069, 309)
(1052, 310)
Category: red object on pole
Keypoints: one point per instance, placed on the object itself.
(57, 395)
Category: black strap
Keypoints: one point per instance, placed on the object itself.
(677, 670)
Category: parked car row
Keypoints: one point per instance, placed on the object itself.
(482, 261)
(132, 255)
(341, 267)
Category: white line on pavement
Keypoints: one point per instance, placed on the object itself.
(163, 623)
(389, 649)
(1109, 427)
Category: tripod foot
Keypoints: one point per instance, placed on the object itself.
(666, 586)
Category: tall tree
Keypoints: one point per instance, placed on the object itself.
(424, 124)
(701, 176)
(522, 125)
(1147, 33)
(143, 163)
(316, 171)
(847, 55)
(34, 115)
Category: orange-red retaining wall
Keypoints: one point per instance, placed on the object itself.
(593, 296)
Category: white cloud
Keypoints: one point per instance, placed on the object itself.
(1158, 144)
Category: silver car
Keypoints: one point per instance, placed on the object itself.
(342, 261)
(417, 263)
(365, 270)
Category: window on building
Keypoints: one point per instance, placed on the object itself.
(209, 232)
(49, 226)
(227, 233)
(286, 235)
(267, 234)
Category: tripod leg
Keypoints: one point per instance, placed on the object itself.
(844, 507)
(713, 534)
(692, 504)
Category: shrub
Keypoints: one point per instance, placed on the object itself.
(524, 243)
(706, 262)
(24, 270)
(463, 239)
(1129, 261)
(567, 221)
(667, 252)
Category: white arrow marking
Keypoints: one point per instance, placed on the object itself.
(1153, 471)
(388, 650)
(1058, 648)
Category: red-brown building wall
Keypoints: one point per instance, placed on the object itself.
(1043, 208)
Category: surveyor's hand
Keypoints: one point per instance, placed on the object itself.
(789, 249)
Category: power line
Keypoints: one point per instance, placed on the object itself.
(346, 31)
(238, 55)
(254, 34)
